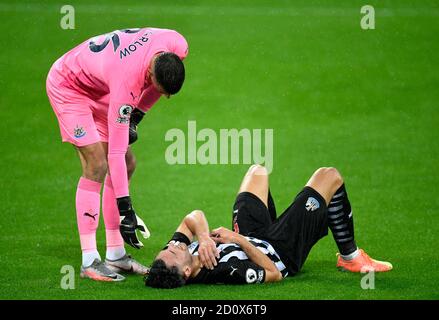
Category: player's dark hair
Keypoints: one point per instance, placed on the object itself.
(162, 276)
(169, 72)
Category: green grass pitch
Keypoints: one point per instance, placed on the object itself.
(364, 101)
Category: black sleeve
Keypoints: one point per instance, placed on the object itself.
(180, 237)
(235, 271)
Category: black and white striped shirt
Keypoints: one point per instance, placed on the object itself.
(234, 266)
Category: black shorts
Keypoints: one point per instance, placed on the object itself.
(293, 233)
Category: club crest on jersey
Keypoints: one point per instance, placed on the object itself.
(312, 204)
(251, 276)
(124, 113)
(79, 132)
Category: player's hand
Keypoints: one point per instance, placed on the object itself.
(135, 118)
(207, 251)
(224, 235)
(130, 222)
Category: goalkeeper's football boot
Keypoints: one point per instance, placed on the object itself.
(127, 264)
(98, 271)
(362, 263)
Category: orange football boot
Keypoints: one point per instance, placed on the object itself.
(362, 263)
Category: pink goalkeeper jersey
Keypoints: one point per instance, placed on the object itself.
(116, 64)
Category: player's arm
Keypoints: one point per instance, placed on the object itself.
(118, 122)
(193, 225)
(223, 235)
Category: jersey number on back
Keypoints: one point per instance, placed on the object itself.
(113, 36)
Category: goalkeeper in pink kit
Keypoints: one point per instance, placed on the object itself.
(100, 91)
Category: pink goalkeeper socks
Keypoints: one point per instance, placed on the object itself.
(87, 212)
(115, 243)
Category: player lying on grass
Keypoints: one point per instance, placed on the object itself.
(263, 248)
(99, 92)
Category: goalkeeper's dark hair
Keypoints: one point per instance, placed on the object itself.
(162, 276)
(169, 72)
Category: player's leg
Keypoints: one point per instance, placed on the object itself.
(298, 228)
(329, 183)
(114, 240)
(93, 161)
(256, 181)
(251, 214)
(322, 201)
(94, 167)
(78, 127)
(116, 257)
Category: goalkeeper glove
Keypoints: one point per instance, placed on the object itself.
(130, 222)
(135, 118)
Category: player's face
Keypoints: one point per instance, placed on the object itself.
(176, 254)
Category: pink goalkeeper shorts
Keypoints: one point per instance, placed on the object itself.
(82, 121)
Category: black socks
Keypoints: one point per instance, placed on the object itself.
(341, 222)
